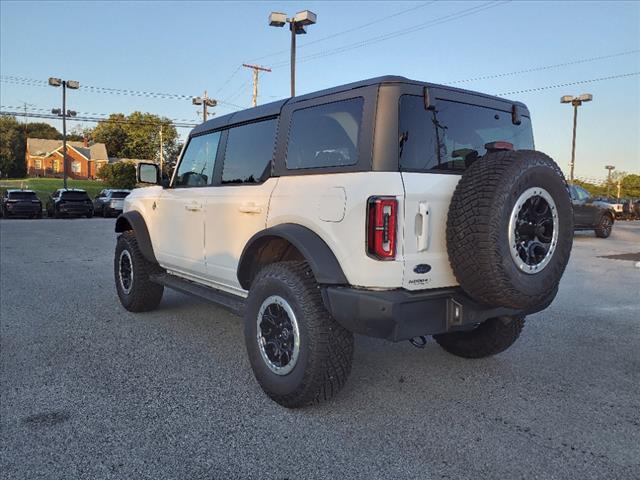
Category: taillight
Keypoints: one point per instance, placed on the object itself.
(381, 227)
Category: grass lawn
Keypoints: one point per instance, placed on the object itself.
(45, 186)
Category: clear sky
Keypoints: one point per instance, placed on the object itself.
(187, 47)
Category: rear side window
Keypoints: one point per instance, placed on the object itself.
(325, 135)
(453, 135)
(249, 153)
(22, 196)
(75, 196)
(196, 167)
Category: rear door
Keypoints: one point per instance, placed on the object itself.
(435, 147)
(178, 216)
(236, 208)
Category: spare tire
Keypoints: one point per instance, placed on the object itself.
(510, 229)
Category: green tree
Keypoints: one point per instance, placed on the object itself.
(118, 175)
(631, 185)
(42, 130)
(137, 136)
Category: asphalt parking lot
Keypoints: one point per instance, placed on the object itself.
(89, 390)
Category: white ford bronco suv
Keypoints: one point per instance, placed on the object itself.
(387, 207)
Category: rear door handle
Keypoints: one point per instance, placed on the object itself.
(250, 208)
(193, 207)
(423, 233)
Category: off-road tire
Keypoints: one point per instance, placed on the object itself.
(489, 338)
(144, 294)
(478, 229)
(604, 227)
(326, 348)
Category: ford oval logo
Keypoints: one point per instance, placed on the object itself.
(422, 268)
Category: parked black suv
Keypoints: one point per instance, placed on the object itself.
(69, 202)
(591, 214)
(109, 203)
(20, 203)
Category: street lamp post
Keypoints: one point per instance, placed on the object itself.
(73, 85)
(576, 102)
(610, 168)
(297, 26)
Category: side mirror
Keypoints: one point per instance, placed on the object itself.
(148, 173)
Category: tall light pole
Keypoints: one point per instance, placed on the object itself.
(610, 168)
(297, 26)
(73, 85)
(205, 101)
(576, 102)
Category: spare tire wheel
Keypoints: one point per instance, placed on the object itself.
(510, 229)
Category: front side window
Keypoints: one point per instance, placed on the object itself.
(453, 135)
(249, 152)
(196, 167)
(325, 135)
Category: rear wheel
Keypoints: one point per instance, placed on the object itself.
(604, 227)
(299, 354)
(136, 291)
(489, 338)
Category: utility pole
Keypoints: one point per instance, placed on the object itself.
(619, 187)
(205, 101)
(161, 154)
(256, 70)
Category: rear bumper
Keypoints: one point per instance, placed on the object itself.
(400, 314)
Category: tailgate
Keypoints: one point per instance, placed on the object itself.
(426, 206)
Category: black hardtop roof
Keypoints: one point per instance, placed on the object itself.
(273, 108)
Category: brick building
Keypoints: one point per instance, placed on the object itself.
(44, 158)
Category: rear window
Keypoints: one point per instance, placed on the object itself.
(22, 196)
(453, 135)
(325, 135)
(249, 152)
(119, 194)
(75, 196)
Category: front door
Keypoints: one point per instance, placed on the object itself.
(237, 208)
(179, 220)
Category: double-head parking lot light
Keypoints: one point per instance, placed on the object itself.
(73, 85)
(297, 25)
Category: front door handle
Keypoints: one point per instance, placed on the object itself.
(193, 207)
(250, 208)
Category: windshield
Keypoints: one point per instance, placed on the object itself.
(22, 196)
(75, 196)
(119, 194)
(453, 135)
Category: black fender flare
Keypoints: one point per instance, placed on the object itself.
(323, 262)
(134, 221)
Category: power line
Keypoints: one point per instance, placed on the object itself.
(344, 32)
(50, 116)
(578, 82)
(112, 91)
(545, 67)
(398, 33)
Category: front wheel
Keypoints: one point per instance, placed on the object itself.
(136, 291)
(604, 226)
(489, 338)
(299, 354)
